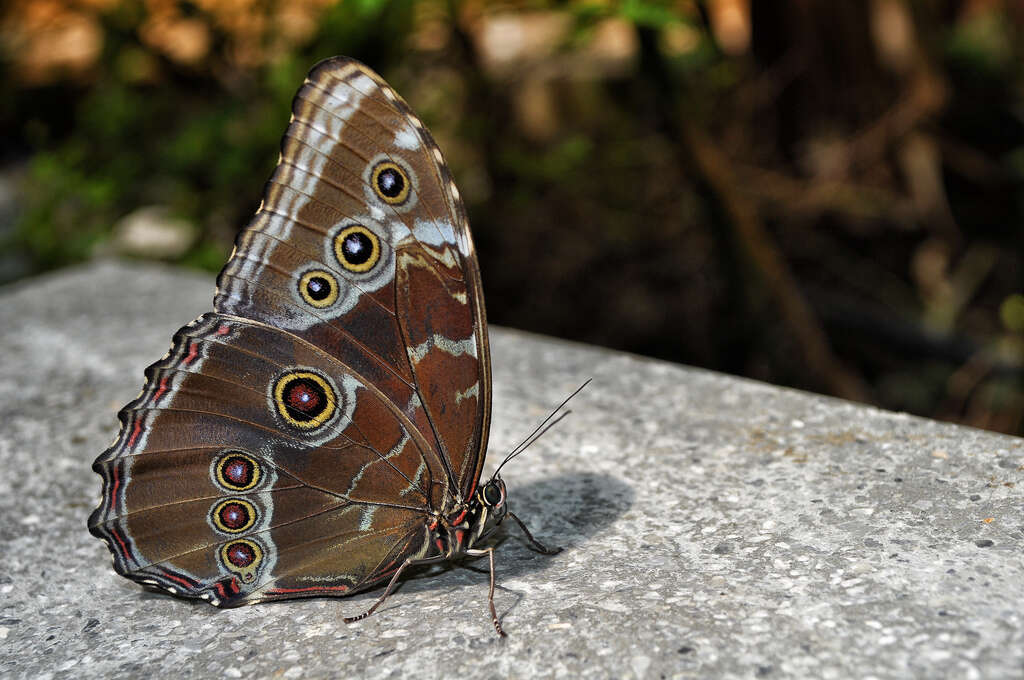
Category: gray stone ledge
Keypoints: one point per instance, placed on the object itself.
(714, 527)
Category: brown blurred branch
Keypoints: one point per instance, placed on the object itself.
(771, 265)
(926, 95)
(797, 196)
(701, 156)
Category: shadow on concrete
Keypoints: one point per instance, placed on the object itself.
(561, 512)
(571, 508)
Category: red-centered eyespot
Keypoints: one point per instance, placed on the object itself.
(240, 554)
(234, 515)
(242, 557)
(237, 471)
(305, 400)
(303, 397)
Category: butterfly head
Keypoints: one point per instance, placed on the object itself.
(492, 495)
(490, 504)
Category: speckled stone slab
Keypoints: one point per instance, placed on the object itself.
(713, 527)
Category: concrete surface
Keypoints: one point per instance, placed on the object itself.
(714, 527)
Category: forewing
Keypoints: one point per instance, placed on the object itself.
(361, 247)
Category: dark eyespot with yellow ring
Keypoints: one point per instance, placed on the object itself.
(357, 248)
(390, 182)
(304, 399)
(237, 471)
(242, 557)
(318, 288)
(234, 516)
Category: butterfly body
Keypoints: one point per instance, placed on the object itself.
(324, 427)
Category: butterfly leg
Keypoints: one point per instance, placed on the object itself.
(537, 545)
(409, 562)
(490, 595)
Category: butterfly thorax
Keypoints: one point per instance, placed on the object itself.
(454, 533)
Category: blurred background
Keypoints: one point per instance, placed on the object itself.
(826, 195)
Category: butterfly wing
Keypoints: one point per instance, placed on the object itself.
(295, 441)
(361, 246)
(253, 466)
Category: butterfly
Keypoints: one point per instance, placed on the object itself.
(324, 429)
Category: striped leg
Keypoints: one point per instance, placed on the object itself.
(490, 595)
(409, 562)
(537, 545)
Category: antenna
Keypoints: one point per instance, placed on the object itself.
(544, 426)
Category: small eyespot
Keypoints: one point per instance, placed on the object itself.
(304, 400)
(318, 288)
(234, 516)
(390, 182)
(357, 249)
(242, 557)
(237, 471)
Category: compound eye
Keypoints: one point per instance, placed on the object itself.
(492, 495)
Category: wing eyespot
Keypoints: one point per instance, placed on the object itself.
(237, 471)
(357, 249)
(234, 516)
(390, 182)
(318, 288)
(304, 400)
(242, 557)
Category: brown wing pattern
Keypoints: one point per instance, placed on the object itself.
(348, 127)
(208, 462)
(298, 440)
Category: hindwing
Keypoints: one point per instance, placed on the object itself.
(240, 475)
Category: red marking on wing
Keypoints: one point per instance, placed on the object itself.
(388, 569)
(117, 483)
(121, 542)
(223, 329)
(276, 591)
(220, 589)
(193, 352)
(135, 433)
(183, 581)
(384, 574)
(160, 390)
(232, 587)
(116, 470)
(458, 520)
